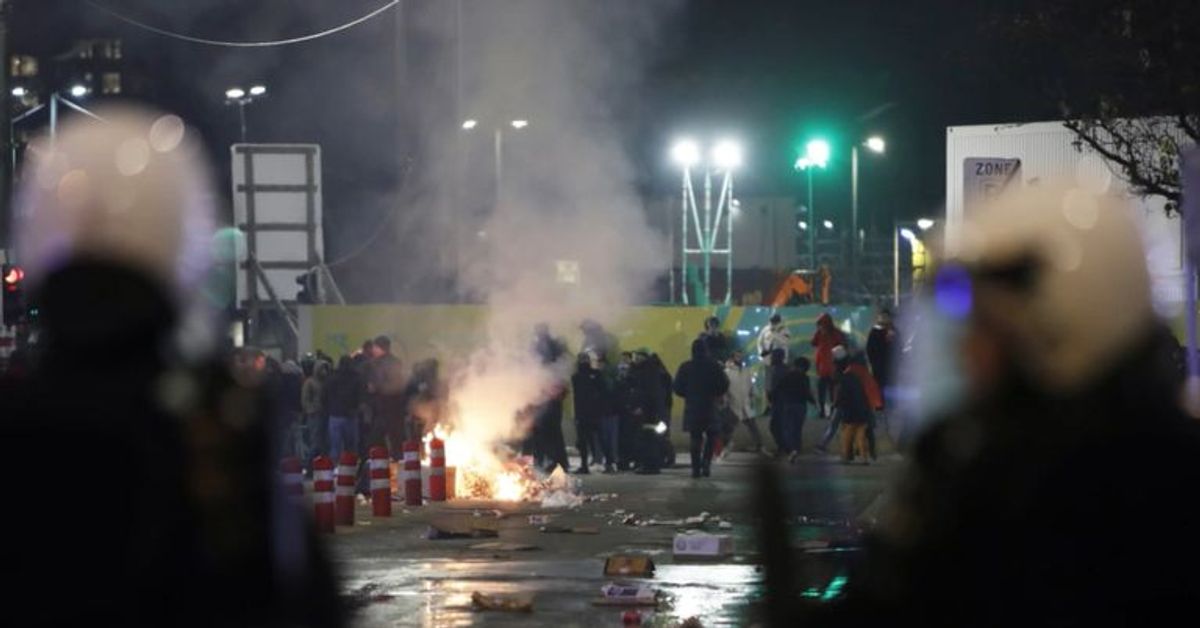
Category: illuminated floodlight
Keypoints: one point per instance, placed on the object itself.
(875, 144)
(803, 225)
(925, 224)
(828, 224)
(79, 91)
(686, 153)
(467, 125)
(235, 93)
(520, 124)
(258, 90)
(817, 152)
(19, 92)
(908, 234)
(661, 428)
(727, 155)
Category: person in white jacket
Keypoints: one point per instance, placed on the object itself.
(739, 403)
(774, 336)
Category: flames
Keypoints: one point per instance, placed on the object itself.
(482, 472)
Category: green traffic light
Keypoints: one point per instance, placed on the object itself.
(816, 154)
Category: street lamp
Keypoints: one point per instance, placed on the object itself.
(20, 92)
(816, 155)
(470, 124)
(79, 91)
(828, 224)
(686, 153)
(876, 145)
(723, 158)
(237, 96)
(925, 224)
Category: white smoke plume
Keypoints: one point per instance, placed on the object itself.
(567, 193)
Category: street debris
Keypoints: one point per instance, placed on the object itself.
(561, 499)
(497, 602)
(539, 520)
(462, 527)
(370, 593)
(629, 565)
(498, 546)
(725, 525)
(665, 522)
(621, 594)
(696, 544)
(631, 617)
(557, 529)
(691, 622)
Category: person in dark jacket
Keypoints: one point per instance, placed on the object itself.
(776, 369)
(718, 345)
(343, 394)
(650, 411)
(550, 449)
(701, 382)
(592, 406)
(854, 411)
(628, 400)
(1029, 502)
(186, 524)
(389, 405)
(882, 343)
(790, 399)
(664, 392)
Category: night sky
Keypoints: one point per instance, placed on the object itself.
(772, 72)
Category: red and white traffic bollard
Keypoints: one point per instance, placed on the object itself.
(381, 484)
(437, 470)
(346, 473)
(412, 473)
(323, 493)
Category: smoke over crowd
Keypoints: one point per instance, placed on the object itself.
(562, 235)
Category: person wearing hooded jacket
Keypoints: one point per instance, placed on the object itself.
(990, 527)
(825, 339)
(189, 526)
(701, 382)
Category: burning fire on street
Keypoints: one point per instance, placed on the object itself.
(490, 471)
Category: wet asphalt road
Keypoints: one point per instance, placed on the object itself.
(396, 577)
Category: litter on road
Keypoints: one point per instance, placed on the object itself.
(695, 544)
(620, 594)
(507, 603)
(499, 546)
(629, 565)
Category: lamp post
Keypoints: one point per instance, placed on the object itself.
(874, 144)
(470, 124)
(724, 158)
(816, 155)
(904, 229)
(241, 98)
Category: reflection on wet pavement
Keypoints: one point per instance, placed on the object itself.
(436, 593)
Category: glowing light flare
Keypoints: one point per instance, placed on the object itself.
(686, 153)
(14, 276)
(727, 155)
(875, 144)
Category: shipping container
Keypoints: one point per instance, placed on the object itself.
(982, 160)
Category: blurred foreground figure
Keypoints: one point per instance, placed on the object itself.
(1061, 492)
(147, 483)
